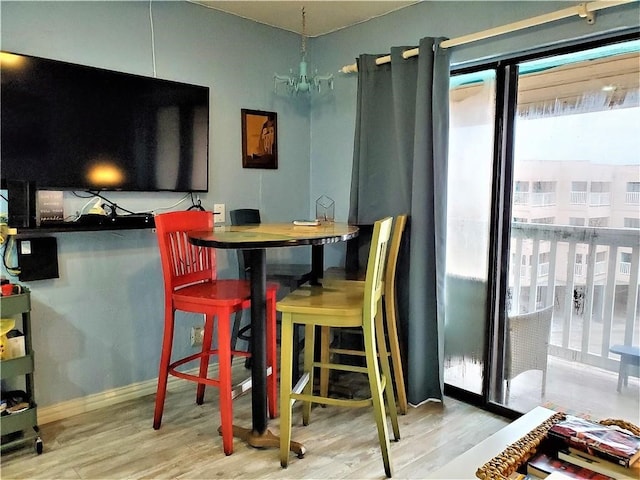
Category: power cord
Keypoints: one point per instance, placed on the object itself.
(113, 207)
(195, 205)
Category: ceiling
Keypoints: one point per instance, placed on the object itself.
(322, 16)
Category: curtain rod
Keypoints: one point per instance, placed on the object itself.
(584, 10)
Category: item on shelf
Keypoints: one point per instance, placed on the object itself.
(599, 465)
(6, 324)
(605, 441)
(543, 465)
(19, 407)
(20, 418)
(15, 344)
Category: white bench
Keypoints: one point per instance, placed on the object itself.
(465, 465)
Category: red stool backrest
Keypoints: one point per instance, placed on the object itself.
(183, 263)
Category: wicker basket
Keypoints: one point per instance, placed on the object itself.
(512, 457)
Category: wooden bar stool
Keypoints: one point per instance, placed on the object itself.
(338, 307)
(390, 315)
(191, 285)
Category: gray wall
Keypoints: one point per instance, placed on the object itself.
(99, 325)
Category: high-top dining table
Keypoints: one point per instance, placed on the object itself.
(256, 239)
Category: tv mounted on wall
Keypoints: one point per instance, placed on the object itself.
(73, 127)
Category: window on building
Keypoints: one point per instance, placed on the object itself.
(633, 193)
(543, 194)
(601, 263)
(599, 222)
(600, 194)
(578, 193)
(631, 222)
(544, 220)
(578, 270)
(521, 193)
(625, 263)
(576, 221)
(543, 264)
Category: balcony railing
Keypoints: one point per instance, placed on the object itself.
(521, 198)
(632, 198)
(543, 199)
(579, 198)
(599, 199)
(596, 302)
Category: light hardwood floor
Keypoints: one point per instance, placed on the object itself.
(119, 442)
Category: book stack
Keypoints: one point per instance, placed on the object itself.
(580, 448)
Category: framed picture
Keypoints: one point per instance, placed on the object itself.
(259, 139)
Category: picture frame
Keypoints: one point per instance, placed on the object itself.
(259, 139)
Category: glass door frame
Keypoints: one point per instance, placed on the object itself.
(507, 72)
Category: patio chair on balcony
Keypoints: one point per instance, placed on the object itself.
(527, 345)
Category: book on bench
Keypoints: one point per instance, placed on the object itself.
(603, 441)
(598, 464)
(543, 465)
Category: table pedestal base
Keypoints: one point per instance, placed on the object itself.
(264, 440)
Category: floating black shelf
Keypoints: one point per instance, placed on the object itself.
(93, 224)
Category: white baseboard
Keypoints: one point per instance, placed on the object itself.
(95, 401)
(114, 396)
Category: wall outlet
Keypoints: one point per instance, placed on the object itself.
(196, 336)
(219, 213)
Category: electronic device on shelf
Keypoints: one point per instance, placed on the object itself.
(74, 127)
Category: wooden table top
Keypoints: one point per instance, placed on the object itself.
(266, 235)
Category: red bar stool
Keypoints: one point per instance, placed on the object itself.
(191, 285)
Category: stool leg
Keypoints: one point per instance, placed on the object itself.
(272, 380)
(286, 373)
(296, 353)
(376, 396)
(324, 358)
(224, 376)
(309, 344)
(396, 359)
(207, 338)
(165, 359)
(386, 372)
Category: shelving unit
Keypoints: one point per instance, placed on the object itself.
(25, 422)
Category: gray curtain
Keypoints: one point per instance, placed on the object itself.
(400, 166)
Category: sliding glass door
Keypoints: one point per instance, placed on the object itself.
(543, 235)
(576, 153)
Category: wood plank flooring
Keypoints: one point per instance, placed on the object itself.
(119, 442)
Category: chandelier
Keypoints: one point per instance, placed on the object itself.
(301, 82)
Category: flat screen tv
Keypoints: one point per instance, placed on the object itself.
(73, 127)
